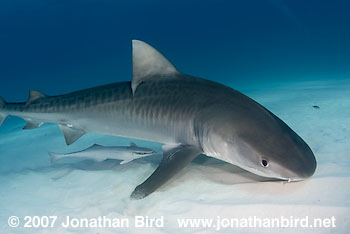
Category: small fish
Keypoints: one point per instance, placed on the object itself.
(100, 153)
(316, 107)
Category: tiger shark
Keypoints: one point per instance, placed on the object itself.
(188, 115)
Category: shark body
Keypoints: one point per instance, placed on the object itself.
(189, 115)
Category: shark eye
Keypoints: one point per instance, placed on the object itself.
(264, 163)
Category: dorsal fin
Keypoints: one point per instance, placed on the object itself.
(132, 144)
(34, 95)
(94, 146)
(147, 62)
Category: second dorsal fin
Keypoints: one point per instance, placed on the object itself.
(34, 95)
(147, 62)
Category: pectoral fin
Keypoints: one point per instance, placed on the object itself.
(174, 160)
(125, 161)
(71, 134)
(31, 124)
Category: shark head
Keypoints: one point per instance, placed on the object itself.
(258, 141)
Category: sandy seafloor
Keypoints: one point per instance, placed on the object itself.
(207, 188)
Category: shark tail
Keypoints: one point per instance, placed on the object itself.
(54, 157)
(2, 115)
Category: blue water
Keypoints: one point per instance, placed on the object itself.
(61, 46)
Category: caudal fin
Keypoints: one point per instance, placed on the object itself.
(2, 115)
(54, 157)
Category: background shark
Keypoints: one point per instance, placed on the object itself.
(190, 115)
(100, 153)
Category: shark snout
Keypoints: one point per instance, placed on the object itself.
(303, 169)
(308, 170)
(309, 165)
